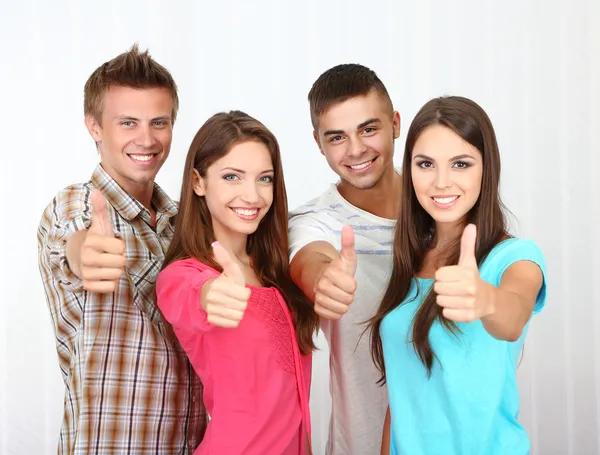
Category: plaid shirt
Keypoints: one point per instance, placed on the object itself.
(129, 387)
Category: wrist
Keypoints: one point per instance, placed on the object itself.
(490, 298)
(204, 293)
(73, 251)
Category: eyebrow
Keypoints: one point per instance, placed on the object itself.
(129, 117)
(239, 171)
(454, 158)
(361, 125)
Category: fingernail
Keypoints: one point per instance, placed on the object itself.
(214, 243)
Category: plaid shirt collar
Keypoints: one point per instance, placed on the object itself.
(129, 207)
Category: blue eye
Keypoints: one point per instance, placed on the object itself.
(230, 177)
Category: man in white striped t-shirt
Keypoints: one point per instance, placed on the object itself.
(346, 270)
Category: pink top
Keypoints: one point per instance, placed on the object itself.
(256, 382)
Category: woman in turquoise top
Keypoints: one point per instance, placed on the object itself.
(451, 325)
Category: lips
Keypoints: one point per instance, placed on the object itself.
(143, 159)
(361, 167)
(444, 202)
(246, 213)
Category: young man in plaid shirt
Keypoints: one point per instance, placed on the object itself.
(129, 387)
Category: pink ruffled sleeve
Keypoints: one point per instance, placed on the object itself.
(178, 290)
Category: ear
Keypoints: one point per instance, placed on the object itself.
(94, 128)
(396, 123)
(316, 138)
(198, 184)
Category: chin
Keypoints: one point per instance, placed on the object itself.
(446, 218)
(365, 182)
(143, 177)
(247, 229)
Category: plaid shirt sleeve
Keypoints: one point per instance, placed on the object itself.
(69, 212)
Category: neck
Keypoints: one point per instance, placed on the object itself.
(143, 194)
(140, 191)
(234, 243)
(383, 200)
(445, 233)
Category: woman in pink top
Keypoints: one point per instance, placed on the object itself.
(226, 289)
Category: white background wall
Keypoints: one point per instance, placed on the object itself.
(533, 65)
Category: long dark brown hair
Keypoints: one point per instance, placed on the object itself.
(415, 229)
(268, 246)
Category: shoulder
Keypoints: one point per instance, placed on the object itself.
(185, 275)
(71, 199)
(70, 206)
(186, 270)
(510, 251)
(517, 249)
(187, 266)
(323, 206)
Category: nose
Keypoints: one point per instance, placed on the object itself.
(442, 179)
(146, 137)
(250, 193)
(357, 147)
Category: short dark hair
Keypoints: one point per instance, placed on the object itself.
(343, 82)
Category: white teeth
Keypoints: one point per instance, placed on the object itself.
(245, 212)
(142, 157)
(358, 167)
(445, 200)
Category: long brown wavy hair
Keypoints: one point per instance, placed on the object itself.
(268, 246)
(415, 228)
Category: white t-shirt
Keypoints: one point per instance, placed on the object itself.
(358, 403)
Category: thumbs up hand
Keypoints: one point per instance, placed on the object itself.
(102, 255)
(459, 288)
(334, 291)
(225, 298)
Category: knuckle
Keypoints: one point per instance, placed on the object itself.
(353, 286)
(324, 292)
(210, 298)
(323, 283)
